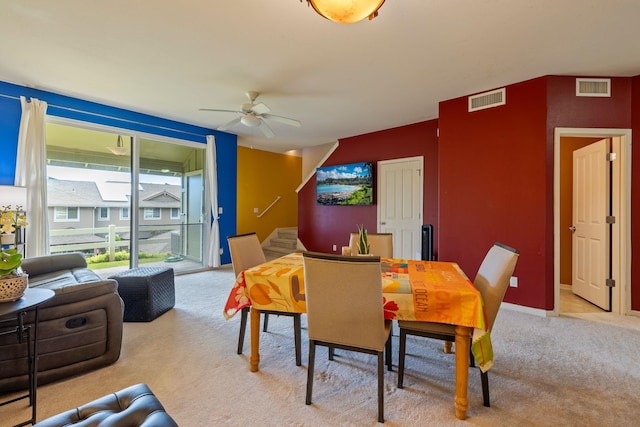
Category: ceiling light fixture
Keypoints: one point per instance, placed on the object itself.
(250, 120)
(346, 11)
(119, 149)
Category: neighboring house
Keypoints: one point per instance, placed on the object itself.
(91, 205)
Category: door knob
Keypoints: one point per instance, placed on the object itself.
(573, 229)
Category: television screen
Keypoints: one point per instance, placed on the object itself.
(348, 185)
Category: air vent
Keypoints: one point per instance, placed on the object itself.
(593, 87)
(490, 99)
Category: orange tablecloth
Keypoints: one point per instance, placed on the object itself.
(427, 291)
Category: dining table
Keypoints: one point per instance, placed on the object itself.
(424, 291)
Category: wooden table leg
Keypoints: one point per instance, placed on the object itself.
(254, 359)
(463, 343)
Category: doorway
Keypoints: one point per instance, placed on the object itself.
(400, 189)
(564, 140)
(92, 170)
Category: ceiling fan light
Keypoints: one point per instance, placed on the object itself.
(346, 11)
(119, 149)
(250, 120)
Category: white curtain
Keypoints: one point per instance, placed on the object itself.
(213, 252)
(31, 172)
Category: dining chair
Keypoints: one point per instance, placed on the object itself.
(492, 281)
(246, 252)
(381, 244)
(344, 310)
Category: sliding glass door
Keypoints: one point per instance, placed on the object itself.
(93, 209)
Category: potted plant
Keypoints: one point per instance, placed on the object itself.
(10, 262)
(363, 243)
(13, 281)
(11, 220)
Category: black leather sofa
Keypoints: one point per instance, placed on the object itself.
(80, 328)
(134, 406)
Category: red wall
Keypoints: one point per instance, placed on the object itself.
(493, 187)
(565, 109)
(320, 227)
(488, 178)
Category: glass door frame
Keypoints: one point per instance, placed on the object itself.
(136, 136)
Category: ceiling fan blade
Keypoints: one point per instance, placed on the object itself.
(220, 111)
(230, 124)
(266, 130)
(260, 108)
(283, 120)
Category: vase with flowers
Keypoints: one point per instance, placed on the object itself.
(13, 281)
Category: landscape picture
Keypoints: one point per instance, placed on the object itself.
(348, 185)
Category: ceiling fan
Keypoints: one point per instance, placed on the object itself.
(254, 115)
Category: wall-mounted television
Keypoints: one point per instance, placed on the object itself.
(345, 185)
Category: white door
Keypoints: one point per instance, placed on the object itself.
(400, 204)
(195, 214)
(590, 255)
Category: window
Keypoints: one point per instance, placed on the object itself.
(81, 174)
(152, 213)
(103, 214)
(66, 214)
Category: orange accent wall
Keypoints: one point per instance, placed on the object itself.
(262, 177)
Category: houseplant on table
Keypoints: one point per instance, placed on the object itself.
(363, 243)
(13, 281)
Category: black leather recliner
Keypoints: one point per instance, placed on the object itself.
(80, 328)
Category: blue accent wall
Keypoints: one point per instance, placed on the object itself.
(92, 112)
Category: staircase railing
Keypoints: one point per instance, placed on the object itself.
(270, 206)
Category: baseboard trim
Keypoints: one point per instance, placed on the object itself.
(528, 310)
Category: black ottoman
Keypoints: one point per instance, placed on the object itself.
(147, 292)
(135, 406)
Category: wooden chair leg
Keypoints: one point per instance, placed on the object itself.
(401, 354)
(380, 387)
(312, 361)
(244, 313)
(297, 336)
(266, 322)
(484, 377)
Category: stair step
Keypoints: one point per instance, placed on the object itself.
(273, 252)
(284, 243)
(288, 233)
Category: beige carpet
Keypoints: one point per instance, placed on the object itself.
(548, 372)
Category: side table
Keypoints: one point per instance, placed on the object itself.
(12, 321)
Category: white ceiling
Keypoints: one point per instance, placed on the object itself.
(170, 58)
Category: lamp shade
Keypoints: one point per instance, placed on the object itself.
(347, 11)
(13, 196)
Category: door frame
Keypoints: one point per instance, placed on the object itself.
(621, 202)
(419, 202)
(135, 171)
(187, 193)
